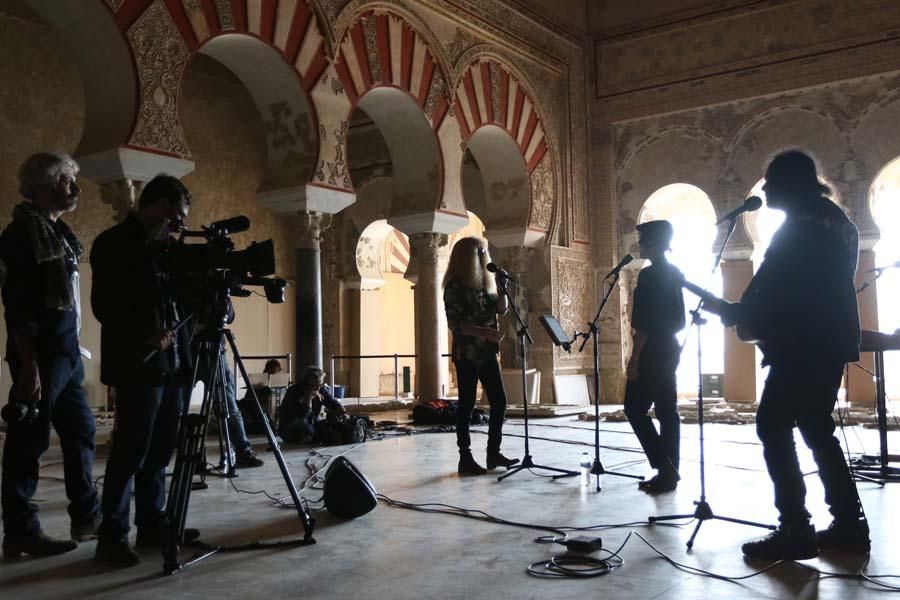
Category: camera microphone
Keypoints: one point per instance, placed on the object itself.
(228, 226)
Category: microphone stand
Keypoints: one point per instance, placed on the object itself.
(703, 511)
(522, 334)
(593, 333)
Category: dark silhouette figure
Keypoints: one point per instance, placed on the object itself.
(801, 307)
(657, 315)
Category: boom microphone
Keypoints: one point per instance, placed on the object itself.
(750, 204)
(625, 260)
(505, 276)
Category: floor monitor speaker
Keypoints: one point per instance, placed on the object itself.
(348, 494)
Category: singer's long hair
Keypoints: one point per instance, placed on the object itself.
(467, 265)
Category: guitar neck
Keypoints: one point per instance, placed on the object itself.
(711, 301)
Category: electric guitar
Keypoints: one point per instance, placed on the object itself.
(728, 311)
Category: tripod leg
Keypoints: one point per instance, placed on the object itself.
(309, 523)
(690, 542)
(189, 452)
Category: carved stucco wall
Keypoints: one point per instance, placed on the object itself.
(848, 127)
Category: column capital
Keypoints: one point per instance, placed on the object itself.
(310, 227)
(424, 253)
(121, 195)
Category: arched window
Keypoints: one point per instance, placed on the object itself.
(692, 216)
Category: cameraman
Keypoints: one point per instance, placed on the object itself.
(41, 254)
(299, 416)
(132, 299)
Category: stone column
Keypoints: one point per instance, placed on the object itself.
(740, 357)
(309, 290)
(860, 385)
(425, 252)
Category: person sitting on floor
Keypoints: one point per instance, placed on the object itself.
(300, 414)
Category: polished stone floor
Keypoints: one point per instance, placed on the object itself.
(396, 553)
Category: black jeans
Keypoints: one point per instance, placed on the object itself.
(146, 433)
(468, 373)
(804, 396)
(63, 405)
(655, 386)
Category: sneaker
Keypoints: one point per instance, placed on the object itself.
(36, 544)
(788, 542)
(83, 532)
(846, 536)
(248, 460)
(468, 466)
(152, 537)
(115, 552)
(495, 459)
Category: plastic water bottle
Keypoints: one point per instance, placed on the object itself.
(585, 469)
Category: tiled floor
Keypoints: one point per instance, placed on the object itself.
(395, 553)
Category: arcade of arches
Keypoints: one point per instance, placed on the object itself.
(365, 137)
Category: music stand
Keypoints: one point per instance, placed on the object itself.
(524, 336)
(559, 338)
(880, 468)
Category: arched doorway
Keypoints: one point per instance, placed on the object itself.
(884, 203)
(693, 218)
(252, 133)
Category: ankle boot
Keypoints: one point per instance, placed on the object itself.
(788, 542)
(495, 459)
(36, 544)
(468, 466)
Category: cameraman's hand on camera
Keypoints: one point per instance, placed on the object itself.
(28, 383)
(161, 340)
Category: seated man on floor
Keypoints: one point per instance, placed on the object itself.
(300, 419)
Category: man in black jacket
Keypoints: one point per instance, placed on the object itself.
(40, 255)
(801, 306)
(131, 298)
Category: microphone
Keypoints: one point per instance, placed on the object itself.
(750, 204)
(615, 272)
(505, 276)
(885, 268)
(233, 225)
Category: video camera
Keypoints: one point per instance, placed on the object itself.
(205, 275)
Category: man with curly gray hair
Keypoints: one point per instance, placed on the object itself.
(40, 295)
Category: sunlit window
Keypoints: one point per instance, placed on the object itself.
(692, 216)
(884, 201)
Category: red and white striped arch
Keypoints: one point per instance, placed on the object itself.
(290, 26)
(488, 94)
(382, 49)
(397, 250)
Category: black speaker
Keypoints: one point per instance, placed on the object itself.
(348, 494)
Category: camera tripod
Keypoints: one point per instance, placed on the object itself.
(190, 451)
